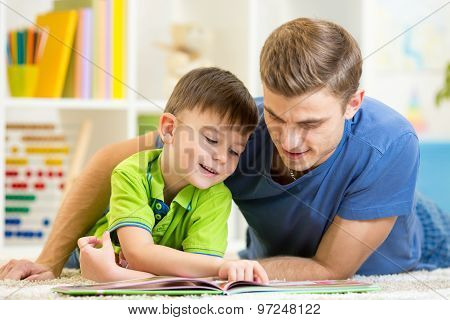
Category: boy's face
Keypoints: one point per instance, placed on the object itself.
(205, 149)
(306, 129)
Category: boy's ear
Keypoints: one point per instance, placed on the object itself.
(167, 123)
(353, 105)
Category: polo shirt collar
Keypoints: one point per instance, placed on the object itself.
(184, 197)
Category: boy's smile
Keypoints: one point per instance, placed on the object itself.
(207, 171)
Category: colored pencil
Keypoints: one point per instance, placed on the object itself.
(30, 45)
(36, 43)
(20, 47)
(13, 36)
(8, 51)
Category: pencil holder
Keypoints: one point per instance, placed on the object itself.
(22, 79)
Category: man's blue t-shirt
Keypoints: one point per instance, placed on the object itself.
(372, 174)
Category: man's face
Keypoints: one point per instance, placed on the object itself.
(305, 129)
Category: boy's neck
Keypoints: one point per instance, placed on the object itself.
(173, 183)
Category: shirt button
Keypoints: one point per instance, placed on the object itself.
(157, 216)
(158, 206)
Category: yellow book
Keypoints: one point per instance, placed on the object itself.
(54, 62)
(118, 46)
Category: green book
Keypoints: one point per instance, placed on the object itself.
(188, 286)
(63, 5)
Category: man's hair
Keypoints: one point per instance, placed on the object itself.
(218, 91)
(304, 54)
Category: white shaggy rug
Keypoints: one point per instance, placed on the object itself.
(414, 285)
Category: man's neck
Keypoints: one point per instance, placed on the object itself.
(280, 173)
(283, 175)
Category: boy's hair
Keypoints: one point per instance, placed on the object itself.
(216, 90)
(304, 54)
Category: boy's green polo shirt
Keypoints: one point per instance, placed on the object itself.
(196, 220)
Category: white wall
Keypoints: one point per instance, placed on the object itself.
(408, 47)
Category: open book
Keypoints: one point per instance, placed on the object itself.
(188, 286)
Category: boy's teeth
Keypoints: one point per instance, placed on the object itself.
(208, 169)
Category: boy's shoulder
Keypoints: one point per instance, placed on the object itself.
(138, 162)
(215, 189)
(214, 194)
(219, 189)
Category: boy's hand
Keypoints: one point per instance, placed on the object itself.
(247, 270)
(97, 264)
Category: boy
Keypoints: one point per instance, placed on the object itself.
(169, 207)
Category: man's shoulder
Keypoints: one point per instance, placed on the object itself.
(378, 126)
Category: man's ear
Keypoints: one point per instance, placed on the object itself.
(354, 103)
(167, 123)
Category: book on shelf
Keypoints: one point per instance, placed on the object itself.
(60, 30)
(118, 48)
(160, 285)
(100, 40)
(83, 59)
(78, 83)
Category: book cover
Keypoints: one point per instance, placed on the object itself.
(189, 286)
(83, 56)
(69, 84)
(99, 51)
(107, 71)
(96, 36)
(118, 48)
(60, 27)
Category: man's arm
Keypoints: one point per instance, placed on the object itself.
(80, 209)
(343, 249)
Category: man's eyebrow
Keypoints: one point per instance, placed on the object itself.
(312, 121)
(270, 111)
(306, 121)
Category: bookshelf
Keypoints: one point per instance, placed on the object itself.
(150, 20)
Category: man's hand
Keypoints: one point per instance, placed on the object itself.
(97, 264)
(25, 270)
(246, 270)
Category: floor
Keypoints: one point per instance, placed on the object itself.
(413, 285)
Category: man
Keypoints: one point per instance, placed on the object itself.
(326, 182)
